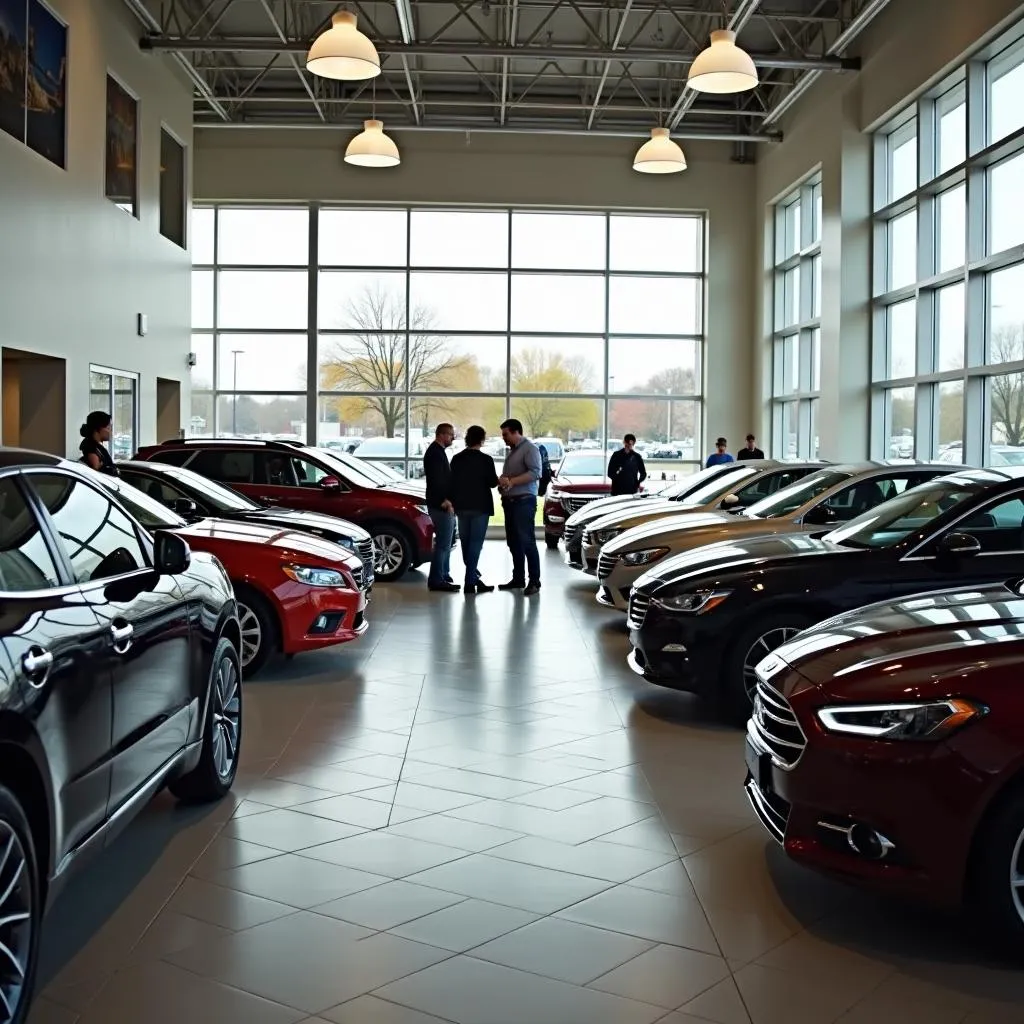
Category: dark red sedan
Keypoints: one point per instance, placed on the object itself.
(887, 747)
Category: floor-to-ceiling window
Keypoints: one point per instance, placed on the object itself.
(363, 328)
(948, 328)
(796, 336)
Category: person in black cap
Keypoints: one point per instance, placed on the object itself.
(719, 455)
(750, 450)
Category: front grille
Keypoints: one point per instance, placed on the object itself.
(357, 575)
(605, 565)
(365, 551)
(776, 726)
(770, 808)
(638, 605)
(574, 504)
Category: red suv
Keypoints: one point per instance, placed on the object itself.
(580, 478)
(313, 480)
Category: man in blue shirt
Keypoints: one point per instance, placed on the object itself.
(719, 455)
(518, 485)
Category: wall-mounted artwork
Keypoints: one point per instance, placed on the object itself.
(122, 175)
(13, 32)
(46, 91)
(172, 188)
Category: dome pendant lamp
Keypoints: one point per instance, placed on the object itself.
(372, 148)
(723, 67)
(343, 52)
(659, 155)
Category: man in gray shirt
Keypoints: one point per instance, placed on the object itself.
(518, 485)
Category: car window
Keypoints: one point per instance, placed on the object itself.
(309, 474)
(158, 489)
(25, 562)
(173, 456)
(999, 527)
(767, 485)
(787, 500)
(229, 467)
(98, 538)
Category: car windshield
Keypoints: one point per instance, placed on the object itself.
(1008, 456)
(787, 500)
(146, 510)
(692, 481)
(889, 523)
(721, 483)
(364, 474)
(583, 465)
(217, 496)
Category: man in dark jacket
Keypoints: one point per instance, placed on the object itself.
(626, 468)
(750, 451)
(438, 473)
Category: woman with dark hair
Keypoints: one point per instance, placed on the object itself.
(95, 430)
(472, 481)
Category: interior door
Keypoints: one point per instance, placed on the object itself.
(144, 620)
(116, 392)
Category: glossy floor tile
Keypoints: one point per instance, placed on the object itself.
(477, 815)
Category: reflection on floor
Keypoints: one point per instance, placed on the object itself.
(477, 814)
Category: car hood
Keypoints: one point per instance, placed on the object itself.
(712, 527)
(580, 483)
(283, 542)
(407, 488)
(939, 642)
(636, 518)
(603, 506)
(309, 521)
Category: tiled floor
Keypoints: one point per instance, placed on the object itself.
(477, 814)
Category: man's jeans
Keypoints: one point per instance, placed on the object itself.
(472, 534)
(444, 530)
(521, 537)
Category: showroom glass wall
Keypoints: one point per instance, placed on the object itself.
(948, 319)
(796, 337)
(335, 324)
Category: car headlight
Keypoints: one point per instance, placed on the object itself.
(644, 557)
(923, 720)
(347, 542)
(555, 495)
(315, 577)
(697, 602)
(423, 509)
(601, 537)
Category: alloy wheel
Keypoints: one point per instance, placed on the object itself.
(15, 922)
(1017, 876)
(227, 714)
(388, 553)
(252, 633)
(761, 648)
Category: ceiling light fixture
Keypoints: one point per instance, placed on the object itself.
(343, 52)
(372, 148)
(659, 155)
(723, 67)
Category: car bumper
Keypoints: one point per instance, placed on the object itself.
(574, 554)
(317, 617)
(661, 655)
(554, 518)
(620, 581)
(609, 598)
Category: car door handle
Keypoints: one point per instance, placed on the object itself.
(122, 637)
(36, 661)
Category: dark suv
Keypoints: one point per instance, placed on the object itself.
(310, 479)
(119, 674)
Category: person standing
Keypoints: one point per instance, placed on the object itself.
(720, 455)
(438, 473)
(750, 450)
(520, 477)
(626, 467)
(473, 480)
(95, 432)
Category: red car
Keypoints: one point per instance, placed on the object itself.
(580, 478)
(313, 480)
(887, 747)
(295, 592)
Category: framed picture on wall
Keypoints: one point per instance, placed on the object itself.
(172, 188)
(46, 89)
(122, 170)
(13, 50)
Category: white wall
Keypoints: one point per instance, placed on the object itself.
(907, 49)
(74, 269)
(291, 165)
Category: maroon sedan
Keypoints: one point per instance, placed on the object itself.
(887, 747)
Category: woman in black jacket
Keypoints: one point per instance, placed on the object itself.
(473, 480)
(95, 430)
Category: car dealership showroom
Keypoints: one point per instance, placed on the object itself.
(569, 455)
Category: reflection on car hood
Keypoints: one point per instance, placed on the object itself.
(313, 521)
(935, 640)
(660, 508)
(408, 488)
(603, 506)
(251, 535)
(674, 521)
(580, 483)
(689, 533)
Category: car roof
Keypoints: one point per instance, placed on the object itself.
(879, 465)
(11, 458)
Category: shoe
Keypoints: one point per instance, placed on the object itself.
(512, 585)
(533, 588)
(479, 588)
(444, 588)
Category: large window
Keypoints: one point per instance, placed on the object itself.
(342, 326)
(948, 311)
(796, 337)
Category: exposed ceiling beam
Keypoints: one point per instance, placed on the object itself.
(608, 64)
(407, 26)
(300, 71)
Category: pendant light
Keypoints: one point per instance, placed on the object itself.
(723, 67)
(659, 155)
(343, 52)
(372, 148)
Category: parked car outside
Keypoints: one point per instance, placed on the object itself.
(393, 448)
(580, 477)
(702, 621)
(194, 497)
(119, 676)
(718, 502)
(886, 747)
(295, 592)
(554, 446)
(819, 501)
(998, 454)
(313, 480)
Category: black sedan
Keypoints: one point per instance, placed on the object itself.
(703, 620)
(119, 675)
(195, 497)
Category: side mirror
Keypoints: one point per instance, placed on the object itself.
(330, 483)
(730, 501)
(957, 545)
(185, 507)
(171, 555)
(820, 515)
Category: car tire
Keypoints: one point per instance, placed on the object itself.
(214, 775)
(754, 641)
(392, 552)
(997, 904)
(551, 539)
(21, 911)
(259, 628)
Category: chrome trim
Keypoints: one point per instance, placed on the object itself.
(575, 502)
(773, 822)
(636, 614)
(606, 565)
(766, 727)
(887, 845)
